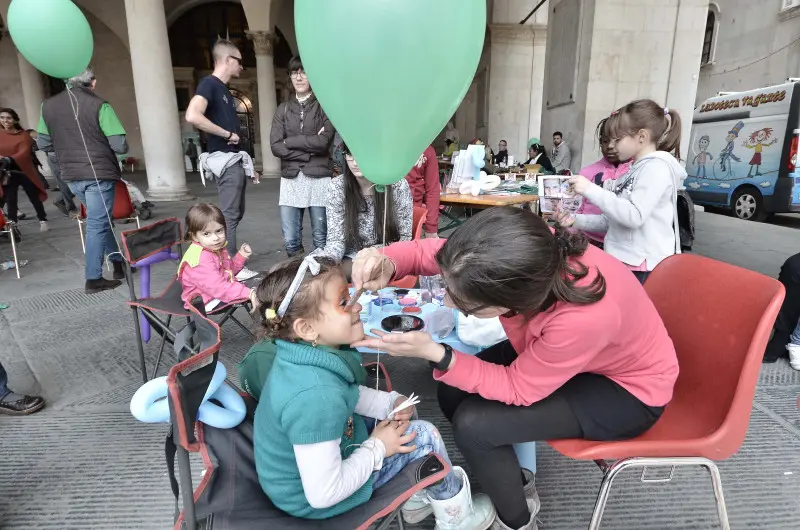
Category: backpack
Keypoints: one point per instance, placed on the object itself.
(685, 220)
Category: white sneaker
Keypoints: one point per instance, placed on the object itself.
(794, 355)
(464, 511)
(417, 508)
(245, 274)
(43, 226)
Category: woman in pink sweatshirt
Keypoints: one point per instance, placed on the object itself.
(607, 168)
(587, 354)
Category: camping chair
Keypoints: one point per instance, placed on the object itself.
(7, 229)
(720, 343)
(142, 248)
(124, 210)
(229, 494)
(408, 282)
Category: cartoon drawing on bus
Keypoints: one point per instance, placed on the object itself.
(726, 155)
(758, 141)
(703, 156)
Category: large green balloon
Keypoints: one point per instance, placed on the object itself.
(390, 73)
(53, 35)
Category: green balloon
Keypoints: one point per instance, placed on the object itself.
(53, 35)
(390, 73)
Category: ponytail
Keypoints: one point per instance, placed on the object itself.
(670, 141)
(569, 244)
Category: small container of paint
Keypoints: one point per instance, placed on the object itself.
(382, 301)
(366, 307)
(407, 301)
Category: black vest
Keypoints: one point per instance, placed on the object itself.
(59, 116)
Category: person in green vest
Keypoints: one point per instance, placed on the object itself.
(324, 441)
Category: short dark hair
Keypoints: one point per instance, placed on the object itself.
(295, 64)
(558, 133)
(200, 215)
(527, 270)
(503, 141)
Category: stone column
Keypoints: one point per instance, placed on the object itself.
(537, 83)
(32, 92)
(265, 73)
(154, 83)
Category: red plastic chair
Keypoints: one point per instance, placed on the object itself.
(4, 227)
(408, 282)
(123, 210)
(720, 344)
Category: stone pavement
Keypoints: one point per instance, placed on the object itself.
(85, 463)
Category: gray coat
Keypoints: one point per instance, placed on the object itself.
(301, 137)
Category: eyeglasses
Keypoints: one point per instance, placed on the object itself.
(237, 59)
(298, 74)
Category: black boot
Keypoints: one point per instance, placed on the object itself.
(101, 284)
(119, 270)
(62, 207)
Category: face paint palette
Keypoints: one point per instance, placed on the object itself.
(402, 323)
(407, 301)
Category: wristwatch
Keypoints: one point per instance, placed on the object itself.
(444, 364)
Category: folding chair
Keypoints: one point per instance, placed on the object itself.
(229, 495)
(6, 228)
(142, 248)
(124, 210)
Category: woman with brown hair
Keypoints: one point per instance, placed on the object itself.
(587, 354)
(16, 146)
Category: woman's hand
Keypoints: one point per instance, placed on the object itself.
(579, 183)
(410, 344)
(391, 434)
(371, 270)
(405, 414)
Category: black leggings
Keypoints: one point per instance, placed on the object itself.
(587, 406)
(11, 191)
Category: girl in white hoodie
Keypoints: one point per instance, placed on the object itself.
(639, 209)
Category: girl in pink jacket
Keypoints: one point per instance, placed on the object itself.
(207, 269)
(607, 168)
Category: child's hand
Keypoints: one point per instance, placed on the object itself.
(405, 414)
(391, 434)
(563, 218)
(245, 251)
(579, 183)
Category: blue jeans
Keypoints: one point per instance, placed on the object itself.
(4, 391)
(292, 225)
(794, 338)
(98, 197)
(428, 441)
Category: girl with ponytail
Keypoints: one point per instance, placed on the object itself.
(587, 354)
(640, 208)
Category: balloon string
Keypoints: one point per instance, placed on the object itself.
(380, 299)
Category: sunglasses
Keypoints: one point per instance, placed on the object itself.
(237, 59)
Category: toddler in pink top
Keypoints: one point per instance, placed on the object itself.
(207, 270)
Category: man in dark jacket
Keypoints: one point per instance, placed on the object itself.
(91, 171)
(301, 137)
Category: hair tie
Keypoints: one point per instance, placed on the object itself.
(666, 111)
(270, 314)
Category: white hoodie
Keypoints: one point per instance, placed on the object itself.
(640, 212)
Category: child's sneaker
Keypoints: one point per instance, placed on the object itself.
(417, 508)
(531, 495)
(245, 274)
(464, 511)
(43, 226)
(794, 355)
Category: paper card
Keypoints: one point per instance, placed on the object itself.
(555, 193)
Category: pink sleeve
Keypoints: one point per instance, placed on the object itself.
(591, 168)
(238, 262)
(566, 345)
(417, 257)
(212, 282)
(433, 191)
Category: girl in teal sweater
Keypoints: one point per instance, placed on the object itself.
(316, 451)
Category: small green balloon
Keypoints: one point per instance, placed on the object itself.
(53, 35)
(390, 73)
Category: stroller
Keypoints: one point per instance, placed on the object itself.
(143, 206)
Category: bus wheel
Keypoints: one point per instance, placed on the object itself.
(748, 204)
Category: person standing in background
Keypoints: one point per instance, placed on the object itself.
(191, 152)
(562, 156)
(301, 137)
(426, 189)
(213, 111)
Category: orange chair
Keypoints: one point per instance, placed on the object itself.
(123, 210)
(408, 282)
(4, 227)
(720, 343)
